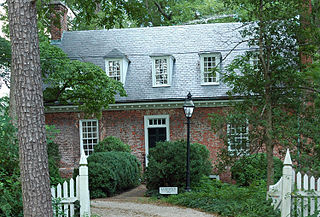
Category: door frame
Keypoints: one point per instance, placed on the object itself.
(147, 126)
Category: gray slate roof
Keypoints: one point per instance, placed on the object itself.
(184, 43)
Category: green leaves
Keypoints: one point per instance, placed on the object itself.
(226, 199)
(167, 164)
(77, 83)
(112, 172)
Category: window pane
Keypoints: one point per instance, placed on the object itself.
(115, 69)
(161, 71)
(89, 135)
(238, 138)
(209, 74)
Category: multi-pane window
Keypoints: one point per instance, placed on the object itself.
(162, 67)
(157, 121)
(114, 69)
(209, 74)
(161, 71)
(210, 66)
(238, 138)
(89, 135)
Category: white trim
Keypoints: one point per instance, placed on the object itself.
(243, 136)
(124, 63)
(80, 131)
(217, 57)
(170, 61)
(147, 126)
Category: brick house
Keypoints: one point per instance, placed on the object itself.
(158, 67)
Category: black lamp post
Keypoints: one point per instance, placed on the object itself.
(188, 107)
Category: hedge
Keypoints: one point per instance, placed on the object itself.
(167, 164)
(111, 173)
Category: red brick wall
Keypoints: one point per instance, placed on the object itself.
(129, 127)
(59, 21)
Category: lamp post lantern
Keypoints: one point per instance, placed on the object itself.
(188, 107)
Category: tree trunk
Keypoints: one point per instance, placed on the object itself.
(29, 108)
(269, 142)
(12, 108)
(264, 54)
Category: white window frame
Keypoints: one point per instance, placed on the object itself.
(217, 57)
(170, 61)
(245, 136)
(123, 62)
(147, 126)
(81, 132)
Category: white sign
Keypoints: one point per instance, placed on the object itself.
(168, 190)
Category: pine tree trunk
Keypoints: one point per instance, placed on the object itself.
(12, 108)
(29, 108)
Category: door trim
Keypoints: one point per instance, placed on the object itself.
(147, 125)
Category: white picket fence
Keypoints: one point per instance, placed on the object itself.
(68, 194)
(294, 196)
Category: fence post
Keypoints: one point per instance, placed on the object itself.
(84, 196)
(286, 186)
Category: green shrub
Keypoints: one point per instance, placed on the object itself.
(254, 167)
(112, 143)
(112, 172)
(227, 200)
(10, 186)
(54, 156)
(167, 164)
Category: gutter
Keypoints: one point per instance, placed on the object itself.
(151, 104)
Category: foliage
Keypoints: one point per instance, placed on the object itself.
(74, 82)
(270, 78)
(227, 200)
(252, 168)
(101, 14)
(112, 143)
(54, 156)
(112, 172)
(167, 164)
(69, 81)
(5, 55)
(10, 187)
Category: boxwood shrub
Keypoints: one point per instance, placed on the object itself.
(112, 172)
(167, 164)
(112, 143)
(253, 168)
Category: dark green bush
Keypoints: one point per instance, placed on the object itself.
(112, 143)
(254, 167)
(10, 186)
(227, 200)
(53, 155)
(167, 164)
(112, 172)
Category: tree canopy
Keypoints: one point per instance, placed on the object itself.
(69, 81)
(271, 80)
(78, 83)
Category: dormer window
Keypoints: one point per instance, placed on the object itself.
(210, 67)
(116, 65)
(114, 69)
(162, 67)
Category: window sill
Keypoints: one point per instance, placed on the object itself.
(161, 85)
(210, 84)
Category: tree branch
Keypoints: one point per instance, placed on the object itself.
(168, 16)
